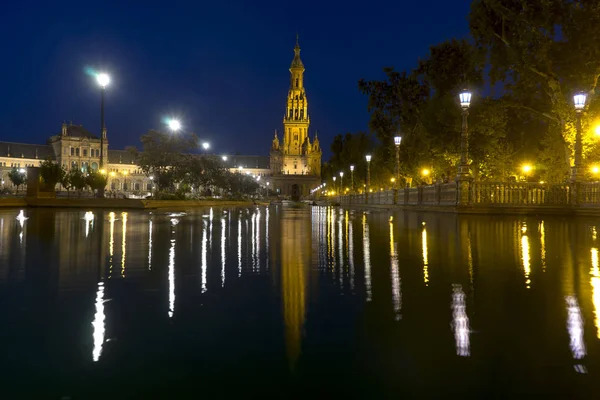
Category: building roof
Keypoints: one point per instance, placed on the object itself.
(23, 150)
(236, 161)
(120, 157)
(80, 131)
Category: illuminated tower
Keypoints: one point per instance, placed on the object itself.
(296, 156)
(296, 120)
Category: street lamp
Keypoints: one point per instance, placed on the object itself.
(174, 125)
(579, 102)
(463, 169)
(341, 181)
(103, 80)
(205, 145)
(334, 178)
(224, 158)
(397, 140)
(352, 178)
(368, 158)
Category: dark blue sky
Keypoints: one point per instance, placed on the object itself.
(221, 66)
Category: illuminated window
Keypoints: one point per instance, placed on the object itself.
(85, 152)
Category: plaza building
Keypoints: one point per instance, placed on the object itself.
(75, 147)
(295, 162)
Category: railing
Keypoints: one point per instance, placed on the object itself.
(521, 194)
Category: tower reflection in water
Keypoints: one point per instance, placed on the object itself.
(295, 263)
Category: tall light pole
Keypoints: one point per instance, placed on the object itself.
(579, 101)
(103, 80)
(352, 178)
(368, 158)
(334, 187)
(463, 168)
(205, 146)
(341, 181)
(397, 140)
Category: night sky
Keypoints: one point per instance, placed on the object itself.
(221, 67)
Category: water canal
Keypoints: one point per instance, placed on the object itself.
(290, 302)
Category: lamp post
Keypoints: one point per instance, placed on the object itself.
(334, 178)
(463, 168)
(103, 80)
(352, 178)
(205, 146)
(368, 158)
(397, 140)
(341, 181)
(579, 102)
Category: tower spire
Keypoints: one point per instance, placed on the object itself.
(297, 40)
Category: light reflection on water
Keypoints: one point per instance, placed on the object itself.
(303, 266)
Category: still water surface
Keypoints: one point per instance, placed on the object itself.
(289, 303)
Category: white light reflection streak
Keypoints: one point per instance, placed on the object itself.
(575, 329)
(204, 264)
(150, 245)
(222, 252)
(267, 238)
(367, 257)
(89, 220)
(239, 246)
(253, 235)
(98, 323)
(210, 226)
(425, 256)
(460, 322)
(257, 239)
(525, 256)
(595, 282)
(21, 218)
(124, 244)
(111, 242)
(395, 272)
(174, 222)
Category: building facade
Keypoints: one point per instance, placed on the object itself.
(75, 147)
(295, 161)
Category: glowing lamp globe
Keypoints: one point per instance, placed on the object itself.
(103, 79)
(397, 140)
(579, 101)
(368, 158)
(174, 125)
(205, 145)
(352, 168)
(465, 99)
(341, 174)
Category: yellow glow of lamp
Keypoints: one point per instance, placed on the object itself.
(595, 170)
(425, 171)
(103, 171)
(112, 174)
(597, 130)
(393, 180)
(526, 168)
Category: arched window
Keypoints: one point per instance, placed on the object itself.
(297, 82)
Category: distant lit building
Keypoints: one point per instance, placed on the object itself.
(75, 147)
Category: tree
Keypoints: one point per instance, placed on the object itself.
(77, 180)
(96, 181)
(51, 173)
(164, 156)
(543, 52)
(17, 177)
